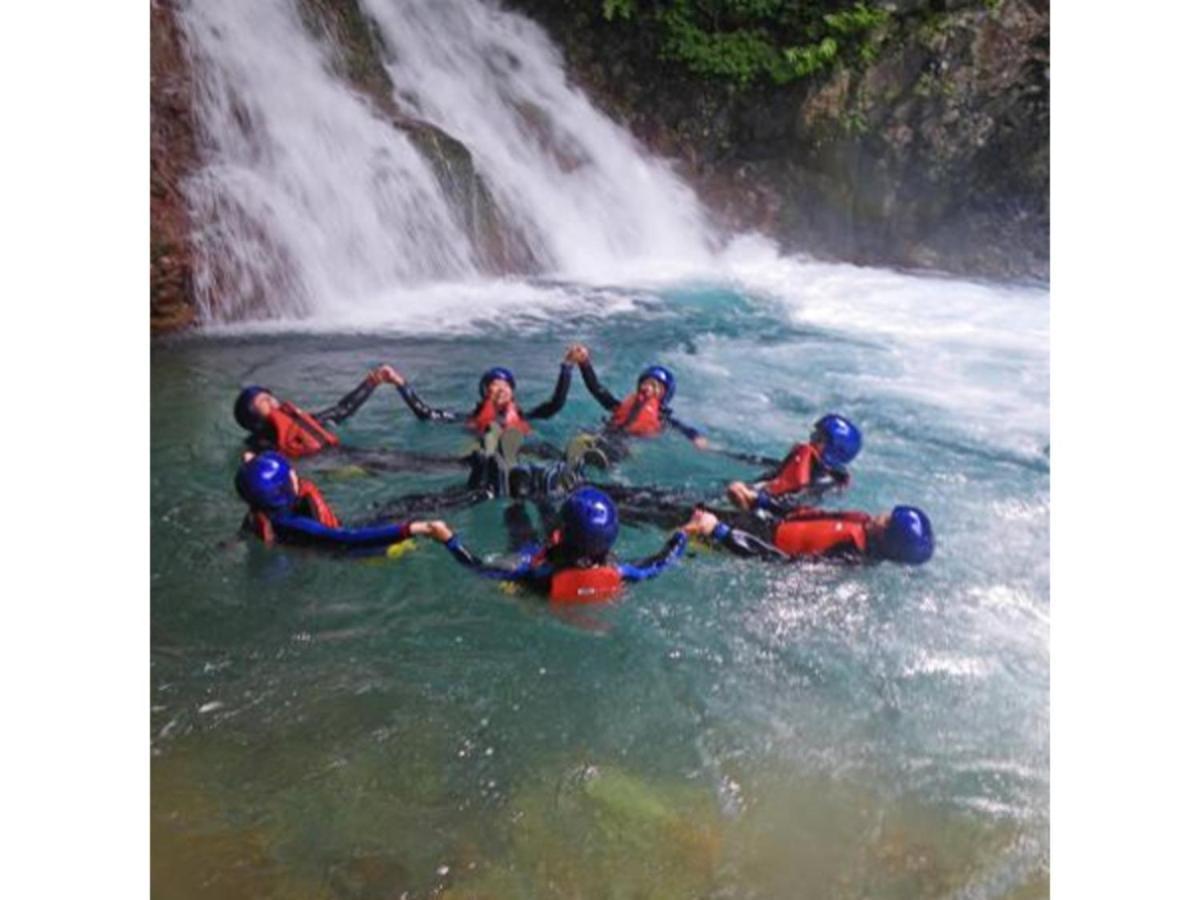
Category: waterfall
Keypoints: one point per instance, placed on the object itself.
(314, 197)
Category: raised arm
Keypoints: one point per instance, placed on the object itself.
(595, 388)
(349, 405)
(423, 410)
(655, 565)
(550, 407)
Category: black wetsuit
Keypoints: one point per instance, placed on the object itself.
(545, 410)
(376, 459)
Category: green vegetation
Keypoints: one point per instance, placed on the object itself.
(744, 41)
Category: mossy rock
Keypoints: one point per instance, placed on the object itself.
(604, 833)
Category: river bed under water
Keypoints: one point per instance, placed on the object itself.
(335, 728)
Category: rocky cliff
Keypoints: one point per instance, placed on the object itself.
(931, 152)
(172, 156)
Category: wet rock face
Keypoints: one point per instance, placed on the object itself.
(172, 157)
(934, 154)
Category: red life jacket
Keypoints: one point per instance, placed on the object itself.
(315, 505)
(578, 584)
(309, 502)
(297, 433)
(487, 414)
(796, 471)
(592, 585)
(816, 532)
(638, 416)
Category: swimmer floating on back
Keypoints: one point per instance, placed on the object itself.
(812, 467)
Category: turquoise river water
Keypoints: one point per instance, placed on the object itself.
(398, 728)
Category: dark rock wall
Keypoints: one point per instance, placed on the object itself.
(172, 157)
(936, 154)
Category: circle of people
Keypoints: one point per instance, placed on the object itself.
(770, 518)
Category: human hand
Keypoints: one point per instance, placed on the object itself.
(437, 530)
(702, 522)
(701, 442)
(742, 495)
(440, 531)
(389, 375)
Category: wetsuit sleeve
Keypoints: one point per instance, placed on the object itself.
(779, 504)
(555, 403)
(743, 543)
(523, 571)
(348, 405)
(595, 388)
(655, 565)
(688, 430)
(423, 410)
(774, 505)
(304, 530)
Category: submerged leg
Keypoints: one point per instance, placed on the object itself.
(648, 505)
(452, 498)
(373, 461)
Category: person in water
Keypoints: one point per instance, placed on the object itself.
(809, 468)
(645, 412)
(497, 472)
(497, 406)
(576, 565)
(288, 509)
(282, 426)
(903, 535)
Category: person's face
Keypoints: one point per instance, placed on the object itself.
(500, 392)
(879, 524)
(650, 387)
(264, 404)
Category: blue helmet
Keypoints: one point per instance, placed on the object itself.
(265, 482)
(908, 537)
(840, 438)
(589, 522)
(492, 374)
(243, 409)
(663, 376)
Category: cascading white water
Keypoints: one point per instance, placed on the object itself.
(306, 198)
(567, 176)
(309, 202)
